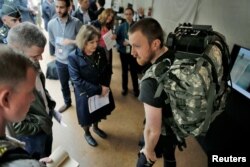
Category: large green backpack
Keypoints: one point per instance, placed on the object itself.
(195, 82)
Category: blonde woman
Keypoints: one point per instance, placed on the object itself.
(91, 75)
(105, 23)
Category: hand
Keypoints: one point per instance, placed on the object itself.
(125, 43)
(113, 37)
(67, 41)
(150, 156)
(105, 90)
(46, 160)
(140, 11)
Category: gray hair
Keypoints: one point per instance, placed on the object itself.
(14, 66)
(25, 35)
(86, 34)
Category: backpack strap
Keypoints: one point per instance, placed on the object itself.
(159, 71)
(210, 101)
(219, 41)
(214, 73)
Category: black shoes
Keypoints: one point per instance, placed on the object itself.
(90, 140)
(136, 93)
(124, 92)
(64, 108)
(100, 133)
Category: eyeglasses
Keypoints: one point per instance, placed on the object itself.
(15, 20)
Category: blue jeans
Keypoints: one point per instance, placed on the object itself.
(63, 74)
(39, 145)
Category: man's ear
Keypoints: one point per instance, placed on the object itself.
(156, 44)
(3, 18)
(4, 98)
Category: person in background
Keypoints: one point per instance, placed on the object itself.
(105, 23)
(17, 82)
(92, 5)
(100, 7)
(1, 5)
(36, 129)
(140, 12)
(83, 12)
(128, 62)
(91, 75)
(147, 40)
(72, 7)
(62, 32)
(10, 17)
(22, 6)
(34, 10)
(48, 12)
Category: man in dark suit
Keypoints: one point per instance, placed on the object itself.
(83, 13)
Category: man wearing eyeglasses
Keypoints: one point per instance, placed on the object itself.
(10, 17)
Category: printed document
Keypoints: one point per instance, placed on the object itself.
(61, 158)
(108, 40)
(97, 101)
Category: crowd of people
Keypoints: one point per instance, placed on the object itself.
(76, 39)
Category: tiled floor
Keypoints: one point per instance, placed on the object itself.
(124, 128)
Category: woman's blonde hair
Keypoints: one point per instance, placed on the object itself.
(104, 16)
(86, 33)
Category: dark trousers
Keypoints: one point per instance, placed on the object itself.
(128, 62)
(38, 145)
(51, 49)
(109, 55)
(63, 74)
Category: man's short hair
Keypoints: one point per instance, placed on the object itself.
(131, 9)
(14, 66)
(149, 27)
(101, 2)
(67, 2)
(26, 35)
(8, 10)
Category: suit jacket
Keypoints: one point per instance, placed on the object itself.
(37, 118)
(78, 14)
(122, 34)
(88, 73)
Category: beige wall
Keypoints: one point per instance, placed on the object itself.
(229, 17)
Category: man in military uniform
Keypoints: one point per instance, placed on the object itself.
(10, 17)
